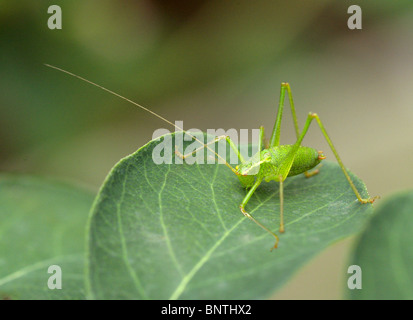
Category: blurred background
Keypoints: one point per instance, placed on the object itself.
(212, 64)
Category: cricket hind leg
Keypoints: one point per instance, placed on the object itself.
(276, 133)
(312, 116)
(285, 167)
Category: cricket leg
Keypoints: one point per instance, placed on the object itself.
(217, 139)
(312, 116)
(281, 204)
(312, 173)
(309, 174)
(261, 141)
(290, 97)
(285, 167)
(245, 213)
(275, 136)
(286, 86)
(281, 180)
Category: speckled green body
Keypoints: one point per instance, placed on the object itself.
(270, 164)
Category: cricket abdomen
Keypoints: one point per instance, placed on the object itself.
(305, 159)
(271, 164)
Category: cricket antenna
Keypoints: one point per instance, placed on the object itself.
(139, 106)
(115, 94)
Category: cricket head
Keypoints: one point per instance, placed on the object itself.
(246, 173)
(252, 166)
(247, 169)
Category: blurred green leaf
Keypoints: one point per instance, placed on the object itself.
(176, 231)
(384, 252)
(42, 224)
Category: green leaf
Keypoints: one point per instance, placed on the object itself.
(384, 252)
(176, 231)
(42, 224)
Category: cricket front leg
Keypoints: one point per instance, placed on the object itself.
(217, 139)
(245, 213)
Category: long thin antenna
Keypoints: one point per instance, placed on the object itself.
(115, 94)
(137, 105)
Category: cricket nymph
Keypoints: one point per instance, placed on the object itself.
(273, 163)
